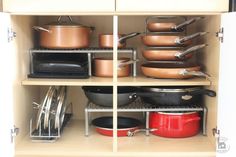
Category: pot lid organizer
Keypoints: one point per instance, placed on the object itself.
(53, 113)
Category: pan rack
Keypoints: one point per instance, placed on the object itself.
(91, 51)
(139, 106)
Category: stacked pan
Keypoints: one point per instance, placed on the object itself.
(167, 51)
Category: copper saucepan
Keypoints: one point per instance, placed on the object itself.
(169, 26)
(169, 40)
(167, 54)
(64, 35)
(103, 67)
(106, 40)
(172, 70)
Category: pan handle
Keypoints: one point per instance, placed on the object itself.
(188, 22)
(147, 94)
(207, 92)
(194, 73)
(132, 133)
(38, 28)
(186, 38)
(181, 55)
(127, 36)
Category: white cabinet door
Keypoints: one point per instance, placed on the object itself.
(6, 89)
(226, 146)
(172, 5)
(58, 6)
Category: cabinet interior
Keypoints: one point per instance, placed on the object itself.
(73, 141)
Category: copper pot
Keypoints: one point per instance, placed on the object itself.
(106, 40)
(170, 54)
(64, 35)
(172, 70)
(103, 67)
(169, 26)
(169, 40)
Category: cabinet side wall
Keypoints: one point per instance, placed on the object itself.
(23, 95)
(209, 58)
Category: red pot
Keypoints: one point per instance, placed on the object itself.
(175, 125)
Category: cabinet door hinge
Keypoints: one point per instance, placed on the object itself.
(220, 35)
(216, 132)
(11, 34)
(14, 133)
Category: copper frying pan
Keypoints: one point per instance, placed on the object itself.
(169, 40)
(172, 70)
(167, 54)
(169, 26)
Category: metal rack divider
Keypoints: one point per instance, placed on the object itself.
(91, 51)
(139, 106)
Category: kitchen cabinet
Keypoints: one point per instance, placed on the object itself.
(171, 6)
(58, 7)
(20, 91)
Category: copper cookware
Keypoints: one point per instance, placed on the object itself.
(169, 26)
(170, 54)
(64, 35)
(172, 70)
(103, 67)
(169, 40)
(106, 40)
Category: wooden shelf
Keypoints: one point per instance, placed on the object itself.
(74, 143)
(69, 82)
(192, 146)
(123, 81)
(144, 81)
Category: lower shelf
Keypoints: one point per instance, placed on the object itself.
(74, 143)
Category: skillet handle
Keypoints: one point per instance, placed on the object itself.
(207, 92)
(188, 22)
(132, 133)
(149, 94)
(186, 38)
(181, 55)
(194, 73)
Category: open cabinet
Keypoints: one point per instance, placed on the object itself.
(21, 91)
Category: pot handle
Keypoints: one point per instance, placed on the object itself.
(186, 38)
(191, 120)
(38, 28)
(188, 22)
(182, 55)
(127, 36)
(207, 92)
(132, 133)
(124, 63)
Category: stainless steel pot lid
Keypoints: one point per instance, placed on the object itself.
(168, 89)
(41, 110)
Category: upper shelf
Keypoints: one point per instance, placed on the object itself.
(112, 7)
(124, 81)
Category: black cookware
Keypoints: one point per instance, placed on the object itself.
(190, 95)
